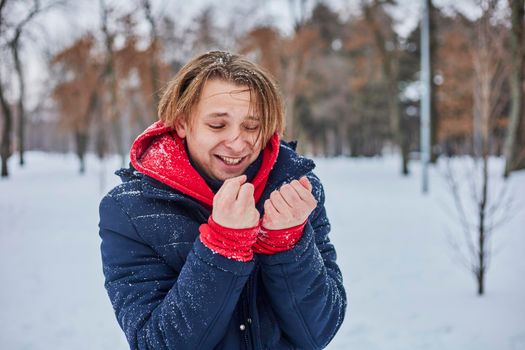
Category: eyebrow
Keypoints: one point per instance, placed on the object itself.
(225, 114)
(217, 114)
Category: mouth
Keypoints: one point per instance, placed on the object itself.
(231, 160)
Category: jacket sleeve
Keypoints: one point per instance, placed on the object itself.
(156, 306)
(305, 285)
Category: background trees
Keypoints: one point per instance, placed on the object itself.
(14, 20)
(348, 75)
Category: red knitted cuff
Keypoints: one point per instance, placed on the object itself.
(231, 243)
(274, 241)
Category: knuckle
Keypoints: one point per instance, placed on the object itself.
(217, 201)
(297, 186)
(286, 188)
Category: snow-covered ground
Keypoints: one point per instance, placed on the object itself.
(405, 289)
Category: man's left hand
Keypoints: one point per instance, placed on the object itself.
(289, 206)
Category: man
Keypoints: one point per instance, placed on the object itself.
(218, 237)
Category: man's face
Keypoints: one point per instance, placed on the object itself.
(222, 130)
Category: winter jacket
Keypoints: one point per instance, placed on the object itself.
(169, 291)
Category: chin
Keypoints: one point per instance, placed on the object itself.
(225, 177)
(222, 176)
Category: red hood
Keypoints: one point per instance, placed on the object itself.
(160, 153)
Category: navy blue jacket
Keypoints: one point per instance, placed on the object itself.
(169, 291)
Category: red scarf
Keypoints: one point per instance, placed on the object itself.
(160, 153)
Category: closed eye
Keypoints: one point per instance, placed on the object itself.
(252, 127)
(216, 126)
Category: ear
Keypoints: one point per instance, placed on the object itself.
(181, 127)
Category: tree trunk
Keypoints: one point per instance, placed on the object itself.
(5, 141)
(480, 278)
(482, 226)
(14, 44)
(154, 81)
(339, 140)
(516, 82)
(520, 144)
(389, 64)
(484, 102)
(15, 48)
(154, 70)
(81, 142)
(434, 117)
(325, 140)
(355, 140)
(110, 76)
(290, 89)
(115, 120)
(405, 146)
(5, 147)
(101, 143)
(398, 131)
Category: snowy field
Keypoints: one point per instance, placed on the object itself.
(405, 289)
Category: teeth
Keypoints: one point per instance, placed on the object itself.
(230, 161)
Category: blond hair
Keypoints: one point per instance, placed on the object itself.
(184, 91)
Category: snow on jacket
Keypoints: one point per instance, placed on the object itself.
(169, 291)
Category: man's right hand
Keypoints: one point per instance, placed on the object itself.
(234, 204)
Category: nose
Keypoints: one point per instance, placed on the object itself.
(235, 141)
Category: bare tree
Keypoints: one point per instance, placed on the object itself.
(5, 147)
(483, 203)
(434, 116)
(490, 73)
(387, 44)
(154, 47)
(77, 92)
(13, 33)
(110, 78)
(294, 64)
(14, 45)
(516, 82)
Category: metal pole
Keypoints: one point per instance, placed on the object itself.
(425, 96)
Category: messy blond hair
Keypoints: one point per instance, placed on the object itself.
(184, 91)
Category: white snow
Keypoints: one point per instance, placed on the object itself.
(405, 290)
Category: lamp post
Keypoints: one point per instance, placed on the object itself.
(425, 96)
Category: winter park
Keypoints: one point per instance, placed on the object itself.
(396, 222)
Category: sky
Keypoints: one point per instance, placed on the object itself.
(84, 14)
(56, 29)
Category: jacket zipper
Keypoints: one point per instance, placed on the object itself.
(248, 335)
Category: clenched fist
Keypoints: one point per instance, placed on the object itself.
(234, 205)
(289, 206)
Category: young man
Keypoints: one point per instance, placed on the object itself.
(218, 237)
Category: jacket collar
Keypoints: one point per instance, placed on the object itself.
(282, 173)
(289, 166)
